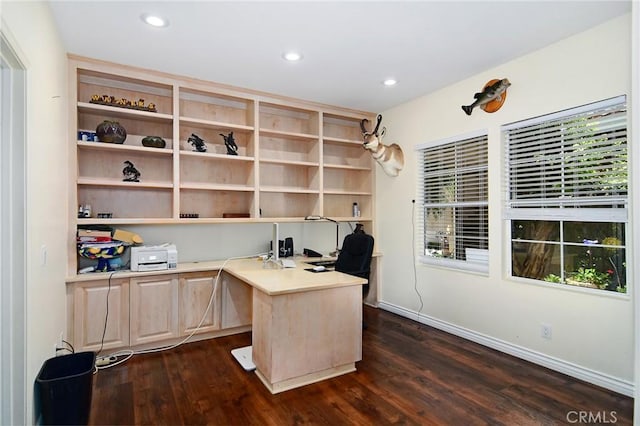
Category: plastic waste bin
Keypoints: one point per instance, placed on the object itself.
(63, 389)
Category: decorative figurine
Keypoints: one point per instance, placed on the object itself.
(230, 143)
(122, 103)
(197, 143)
(131, 174)
(491, 98)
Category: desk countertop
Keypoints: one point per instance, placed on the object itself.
(269, 278)
(274, 280)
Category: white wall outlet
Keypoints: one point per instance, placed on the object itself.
(545, 331)
(58, 344)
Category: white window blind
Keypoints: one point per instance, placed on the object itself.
(565, 181)
(452, 202)
(571, 159)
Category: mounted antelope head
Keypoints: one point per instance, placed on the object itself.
(390, 157)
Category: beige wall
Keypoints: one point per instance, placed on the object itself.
(592, 333)
(31, 28)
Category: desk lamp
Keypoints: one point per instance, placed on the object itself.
(335, 253)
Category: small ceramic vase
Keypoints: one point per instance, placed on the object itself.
(153, 142)
(111, 132)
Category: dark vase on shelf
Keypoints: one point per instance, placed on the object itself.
(153, 142)
(111, 132)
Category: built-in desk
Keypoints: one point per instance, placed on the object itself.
(306, 326)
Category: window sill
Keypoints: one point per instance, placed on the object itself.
(573, 288)
(452, 264)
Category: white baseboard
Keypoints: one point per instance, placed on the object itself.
(615, 384)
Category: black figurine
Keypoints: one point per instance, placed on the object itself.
(230, 143)
(131, 174)
(197, 143)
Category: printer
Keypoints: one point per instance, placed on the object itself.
(154, 258)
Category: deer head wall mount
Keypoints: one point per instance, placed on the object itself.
(390, 157)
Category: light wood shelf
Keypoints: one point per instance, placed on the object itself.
(342, 141)
(288, 189)
(224, 157)
(295, 158)
(290, 162)
(121, 183)
(100, 146)
(284, 134)
(117, 112)
(208, 124)
(214, 187)
(346, 167)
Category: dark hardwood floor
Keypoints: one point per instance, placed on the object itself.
(409, 374)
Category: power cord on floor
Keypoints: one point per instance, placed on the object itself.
(122, 356)
(103, 362)
(413, 244)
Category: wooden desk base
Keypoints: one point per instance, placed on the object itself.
(307, 379)
(302, 338)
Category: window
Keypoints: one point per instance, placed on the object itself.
(566, 201)
(452, 223)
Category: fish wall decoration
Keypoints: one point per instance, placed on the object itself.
(491, 98)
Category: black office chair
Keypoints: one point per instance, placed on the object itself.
(355, 257)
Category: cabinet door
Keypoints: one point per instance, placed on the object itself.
(236, 302)
(198, 311)
(154, 308)
(96, 303)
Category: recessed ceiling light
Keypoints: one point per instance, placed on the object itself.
(292, 56)
(389, 82)
(155, 21)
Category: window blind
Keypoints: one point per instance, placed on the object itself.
(452, 201)
(567, 160)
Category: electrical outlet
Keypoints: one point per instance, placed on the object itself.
(58, 344)
(545, 331)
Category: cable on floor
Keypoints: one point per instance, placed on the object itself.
(122, 356)
(413, 244)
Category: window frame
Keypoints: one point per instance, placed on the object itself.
(586, 209)
(420, 227)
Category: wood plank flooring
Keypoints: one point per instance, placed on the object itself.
(410, 374)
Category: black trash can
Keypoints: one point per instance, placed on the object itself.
(64, 385)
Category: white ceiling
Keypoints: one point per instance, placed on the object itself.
(349, 48)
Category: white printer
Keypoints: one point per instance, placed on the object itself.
(154, 258)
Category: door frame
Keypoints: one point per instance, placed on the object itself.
(13, 99)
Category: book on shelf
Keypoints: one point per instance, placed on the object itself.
(93, 233)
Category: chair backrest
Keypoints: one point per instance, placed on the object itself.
(355, 256)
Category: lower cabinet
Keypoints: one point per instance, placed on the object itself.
(144, 310)
(100, 314)
(236, 302)
(196, 297)
(153, 308)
